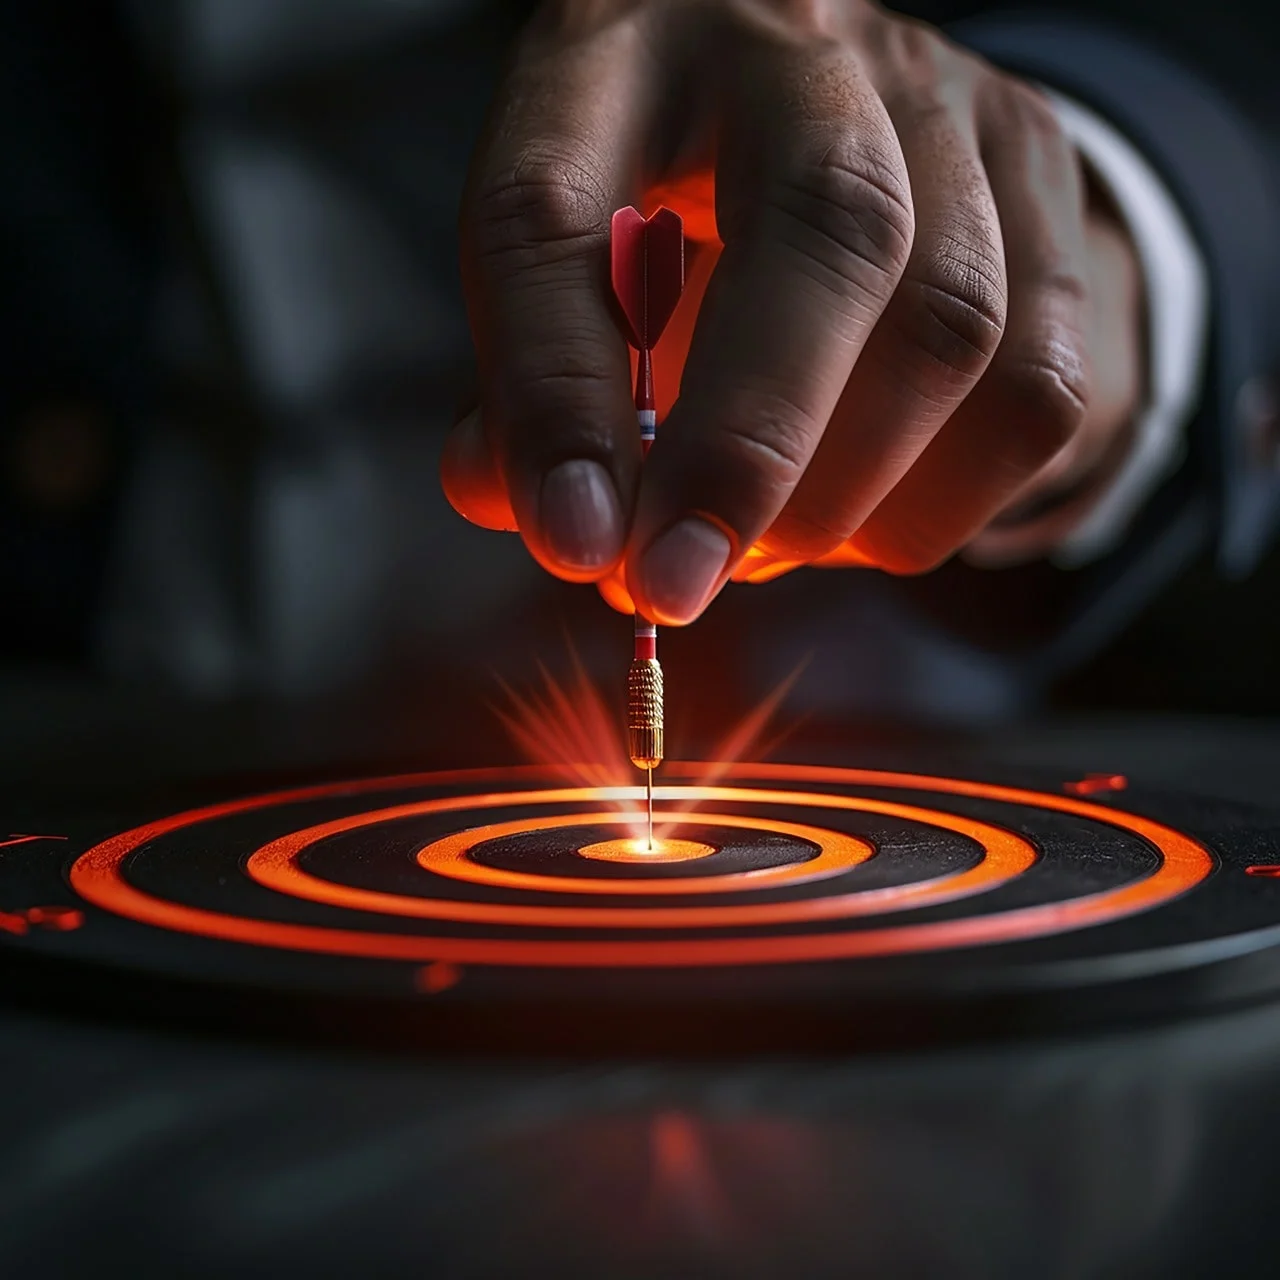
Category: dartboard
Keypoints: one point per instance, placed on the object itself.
(772, 895)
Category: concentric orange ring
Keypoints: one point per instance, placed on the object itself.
(98, 876)
(275, 866)
(838, 852)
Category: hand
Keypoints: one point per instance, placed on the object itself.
(919, 321)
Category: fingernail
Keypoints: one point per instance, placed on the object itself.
(681, 568)
(581, 516)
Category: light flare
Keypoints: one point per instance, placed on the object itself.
(570, 728)
(744, 741)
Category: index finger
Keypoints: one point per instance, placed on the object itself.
(814, 207)
(560, 153)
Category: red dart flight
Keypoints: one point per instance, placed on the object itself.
(648, 279)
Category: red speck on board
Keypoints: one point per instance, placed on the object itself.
(59, 919)
(1094, 783)
(437, 976)
(15, 838)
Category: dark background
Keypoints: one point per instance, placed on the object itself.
(1148, 1151)
(93, 203)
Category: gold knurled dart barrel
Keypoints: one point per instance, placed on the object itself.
(644, 713)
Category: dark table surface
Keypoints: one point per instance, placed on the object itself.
(133, 1146)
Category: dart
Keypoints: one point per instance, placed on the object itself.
(647, 267)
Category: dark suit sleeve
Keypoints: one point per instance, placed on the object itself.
(1222, 172)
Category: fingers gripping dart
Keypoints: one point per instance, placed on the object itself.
(647, 267)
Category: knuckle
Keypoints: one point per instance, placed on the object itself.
(801, 15)
(1024, 108)
(912, 54)
(570, 20)
(849, 218)
(916, 45)
(956, 311)
(921, 75)
(542, 208)
(553, 355)
(768, 434)
(537, 392)
(1050, 390)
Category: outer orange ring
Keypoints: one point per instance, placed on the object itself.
(97, 876)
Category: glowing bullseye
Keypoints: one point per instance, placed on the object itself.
(638, 850)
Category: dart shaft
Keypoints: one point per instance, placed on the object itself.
(644, 680)
(646, 405)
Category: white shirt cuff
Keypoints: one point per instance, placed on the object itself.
(1177, 312)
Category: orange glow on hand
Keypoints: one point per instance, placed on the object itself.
(758, 565)
(693, 197)
(845, 556)
(613, 589)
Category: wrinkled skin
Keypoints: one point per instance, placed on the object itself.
(922, 333)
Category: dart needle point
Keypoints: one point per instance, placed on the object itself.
(649, 798)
